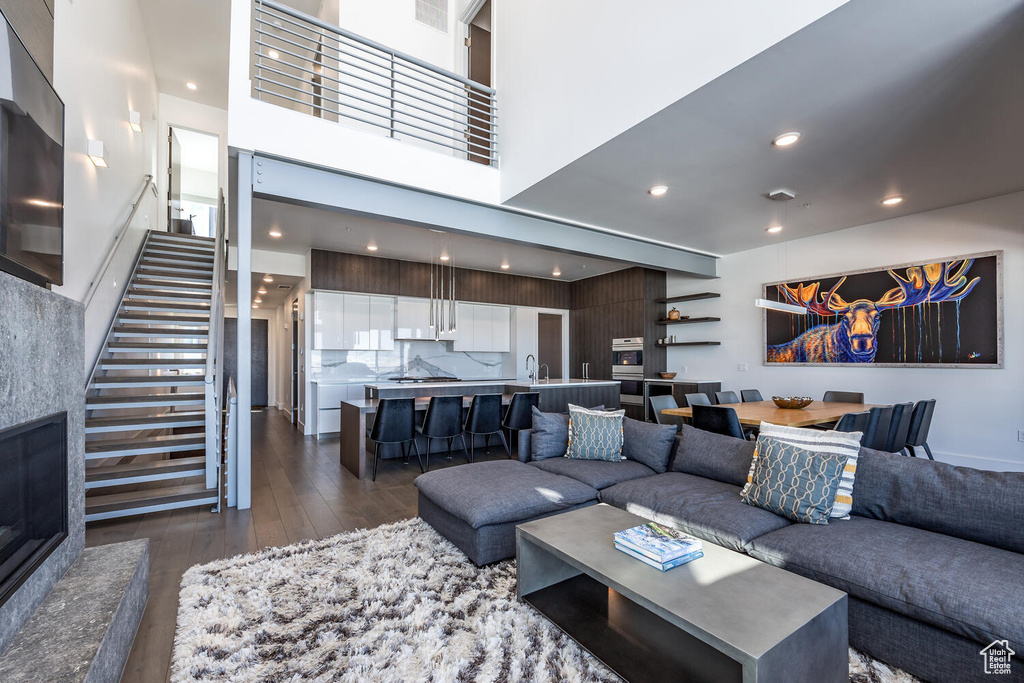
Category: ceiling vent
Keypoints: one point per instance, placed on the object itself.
(781, 195)
(284, 286)
(433, 13)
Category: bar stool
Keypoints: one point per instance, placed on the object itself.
(443, 420)
(395, 422)
(519, 415)
(484, 419)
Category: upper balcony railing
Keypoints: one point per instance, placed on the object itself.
(309, 65)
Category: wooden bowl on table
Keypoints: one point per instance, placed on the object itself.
(666, 375)
(792, 402)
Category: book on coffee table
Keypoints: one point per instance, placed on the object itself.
(662, 566)
(658, 542)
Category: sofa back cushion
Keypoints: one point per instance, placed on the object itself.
(975, 505)
(714, 456)
(648, 443)
(549, 437)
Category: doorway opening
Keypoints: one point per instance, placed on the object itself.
(193, 183)
(478, 68)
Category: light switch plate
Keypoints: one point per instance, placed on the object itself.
(742, 367)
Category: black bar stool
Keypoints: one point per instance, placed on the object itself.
(395, 422)
(443, 421)
(519, 415)
(484, 419)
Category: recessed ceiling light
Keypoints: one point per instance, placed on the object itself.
(556, 272)
(258, 300)
(505, 266)
(774, 229)
(658, 190)
(267, 278)
(892, 201)
(274, 233)
(261, 290)
(786, 139)
(191, 86)
(371, 247)
(274, 54)
(255, 306)
(445, 257)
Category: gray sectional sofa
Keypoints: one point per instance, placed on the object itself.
(932, 557)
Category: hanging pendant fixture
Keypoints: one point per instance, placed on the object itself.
(442, 284)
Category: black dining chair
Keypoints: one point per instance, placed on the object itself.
(843, 397)
(660, 403)
(718, 419)
(395, 422)
(726, 397)
(443, 420)
(519, 415)
(873, 425)
(697, 399)
(484, 419)
(899, 427)
(751, 395)
(853, 422)
(920, 423)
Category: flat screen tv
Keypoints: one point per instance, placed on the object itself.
(31, 167)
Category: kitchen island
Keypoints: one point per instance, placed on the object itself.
(557, 394)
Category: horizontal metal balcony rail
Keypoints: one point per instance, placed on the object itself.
(308, 65)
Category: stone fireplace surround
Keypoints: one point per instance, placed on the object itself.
(75, 617)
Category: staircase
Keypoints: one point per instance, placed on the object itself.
(147, 401)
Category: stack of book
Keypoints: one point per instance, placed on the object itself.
(659, 546)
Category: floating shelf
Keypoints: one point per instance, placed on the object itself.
(689, 297)
(693, 343)
(688, 321)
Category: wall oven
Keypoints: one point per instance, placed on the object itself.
(628, 369)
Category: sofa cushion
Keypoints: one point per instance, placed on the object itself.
(595, 434)
(705, 508)
(648, 443)
(597, 473)
(501, 491)
(705, 454)
(794, 482)
(974, 505)
(969, 589)
(549, 437)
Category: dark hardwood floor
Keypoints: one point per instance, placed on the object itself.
(299, 491)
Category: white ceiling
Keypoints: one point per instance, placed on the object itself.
(923, 98)
(277, 291)
(304, 228)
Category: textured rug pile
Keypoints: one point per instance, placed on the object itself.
(395, 603)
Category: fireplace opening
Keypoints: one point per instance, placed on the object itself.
(33, 491)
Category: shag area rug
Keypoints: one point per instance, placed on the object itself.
(395, 603)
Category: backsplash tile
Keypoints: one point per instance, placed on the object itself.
(409, 358)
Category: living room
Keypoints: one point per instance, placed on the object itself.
(449, 333)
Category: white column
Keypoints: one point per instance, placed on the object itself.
(243, 209)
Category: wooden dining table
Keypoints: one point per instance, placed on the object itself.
(754, 413)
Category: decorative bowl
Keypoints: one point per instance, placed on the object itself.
(666, 375)
(792, 401)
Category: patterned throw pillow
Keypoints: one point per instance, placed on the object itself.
(836, 443)
(794, 482)
(595, 434)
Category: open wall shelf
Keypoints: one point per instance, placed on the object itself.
(692, 343)
(688, 321)
(689, 297)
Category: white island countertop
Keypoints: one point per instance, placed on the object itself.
(555, 383)
(435, 385)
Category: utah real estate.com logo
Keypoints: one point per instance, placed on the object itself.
(997, 657)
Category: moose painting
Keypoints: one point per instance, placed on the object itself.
(937, 313)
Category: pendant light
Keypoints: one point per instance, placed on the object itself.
(442, 284)
(781, 197)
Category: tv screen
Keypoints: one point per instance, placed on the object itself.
(31, 167)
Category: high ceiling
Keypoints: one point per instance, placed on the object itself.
(922, 98)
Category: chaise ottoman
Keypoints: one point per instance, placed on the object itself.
(478, 506)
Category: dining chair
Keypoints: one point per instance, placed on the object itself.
(443, 420)
(698, 399)
(751, 395)
(899, 427)
(519, 415)
(853, 422)
(920, 423)
(843, 397)
(726, 397)
(718, 419)
(660, 403)
(877, 431)
(395, 422)
(484, 419)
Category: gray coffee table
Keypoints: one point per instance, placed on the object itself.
(724, 617)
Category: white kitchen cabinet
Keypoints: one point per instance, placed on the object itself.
(356, 321)
(382, 323)
(328, 322)
(483, 328)
(353, 322)
(501, 329)
(412, 319)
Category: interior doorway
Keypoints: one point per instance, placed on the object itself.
(259, 359)
(478, 60)
(549, 343)
(193, 184)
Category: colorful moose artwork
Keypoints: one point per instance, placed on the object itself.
(943, 313)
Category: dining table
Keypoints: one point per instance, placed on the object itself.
(753, 413)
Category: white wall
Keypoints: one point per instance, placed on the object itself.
(573, 74)
(393, 23)
(978, 411)
(103, 69)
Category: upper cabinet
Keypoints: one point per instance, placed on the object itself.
(412, 319)
(484, 328)
(353, 322)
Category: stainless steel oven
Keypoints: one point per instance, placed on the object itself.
(628, 369)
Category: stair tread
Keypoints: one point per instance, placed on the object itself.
(179, 237)
(167, 494)
(166, 362)
(163, 380)
(144, 442)
(149, 398)
(159, 330)
(130, 420)
(102, 472)
(153, 346)
(200, 305)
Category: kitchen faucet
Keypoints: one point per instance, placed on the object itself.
(532, 375)
(547, 372)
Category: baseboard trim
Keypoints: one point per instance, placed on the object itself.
(976, 462)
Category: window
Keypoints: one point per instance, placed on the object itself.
(433, 13)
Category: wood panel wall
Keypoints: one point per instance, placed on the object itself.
(358, 273)
(33, 20)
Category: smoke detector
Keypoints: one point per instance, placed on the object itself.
(781, 195)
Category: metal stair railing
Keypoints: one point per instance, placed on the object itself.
(214, 393)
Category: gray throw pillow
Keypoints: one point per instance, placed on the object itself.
(713, 456)
(648, 443)
(550, 434)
